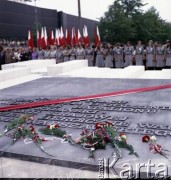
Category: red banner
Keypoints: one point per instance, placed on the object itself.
(97, 96)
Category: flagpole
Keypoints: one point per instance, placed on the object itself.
(79, 15)
(36, 17)
(36, 21)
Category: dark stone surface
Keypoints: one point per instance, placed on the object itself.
(141, 113)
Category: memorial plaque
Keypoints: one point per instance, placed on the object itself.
(136, 115)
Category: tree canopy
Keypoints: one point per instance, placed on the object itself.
(125, 20)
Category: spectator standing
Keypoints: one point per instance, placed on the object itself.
(128, 54)
(89, 51)
(66, 54)
(52, 54)
(9, 56)
(80, 52)
(139, 54)
(99, 56)
(150, 56)
(73, 53)
(59, 55)
(40, 53)
(34, 54)
(159, 56)
(168, 55)
(108, 56)
(47, 53)
(2, 57)
(118, 55)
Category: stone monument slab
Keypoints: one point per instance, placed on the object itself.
(146, 113)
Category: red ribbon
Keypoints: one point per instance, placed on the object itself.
(59, 101)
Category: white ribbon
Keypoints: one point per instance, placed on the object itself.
(86, 147)
(28, 141)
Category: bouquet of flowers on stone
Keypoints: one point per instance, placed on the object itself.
(22, 132)
(153, 146)
(16, 123)
(54, 129)
(103, 134)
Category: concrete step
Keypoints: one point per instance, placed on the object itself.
(32, 64)
(66, 67)
(95, 72)
(162, 74)
(13, 73)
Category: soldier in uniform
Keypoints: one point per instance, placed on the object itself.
(89, 55)
(47, 53)
(40, 53)
(150, 56)
(59, 55)
(128, 54)
(139, 53)
(108, 53)
(80, 52)
(73, 53)
(66, 54)
(159, 56)
(99, 56)
(168, 56)
(52, 53)
(118, 55)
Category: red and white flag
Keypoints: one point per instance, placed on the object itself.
(43, 44)
(57, 36)
(79, 38)
(51, 39)
(97, 37)
(86, 37)
(46, 37)
(38, 39)
(68, 37)
(62, 38)
(73, 40)
(30, 40)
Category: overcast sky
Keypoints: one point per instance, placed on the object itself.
(94, 9)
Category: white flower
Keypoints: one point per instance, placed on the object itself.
(123, 137)
(153, 138)
(52, 126)
(119, 139)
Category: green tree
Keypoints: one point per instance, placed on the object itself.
(131, 6)
(125, 20)
(115, 26)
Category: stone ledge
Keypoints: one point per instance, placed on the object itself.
(66, 67)
(33, 64)
(14, 73)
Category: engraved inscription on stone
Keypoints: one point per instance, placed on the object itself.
(83, 114)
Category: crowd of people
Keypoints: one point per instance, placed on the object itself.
(13, 43)
(154, 55)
